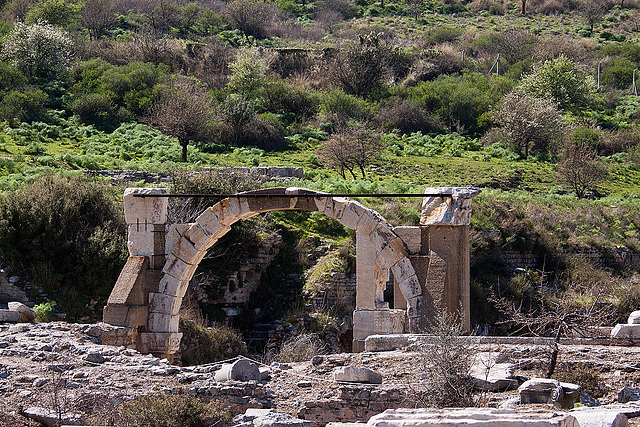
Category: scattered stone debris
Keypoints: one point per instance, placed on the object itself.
(36, 359)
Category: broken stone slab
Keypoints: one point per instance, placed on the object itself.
(26, 314)
(471, 417)
(353, 374)
(9, 316)
(599, 417)
(240, 370)
(544, 390)
(268, 418)
(626, 331)
(49, 417)
(488, 375)
(588, 400)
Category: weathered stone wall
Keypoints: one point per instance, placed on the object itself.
(339, 289)
(351, 405)
(618, 258)
(274, 173)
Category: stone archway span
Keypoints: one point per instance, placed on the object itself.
(183, 259)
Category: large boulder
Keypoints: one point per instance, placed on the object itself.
(26, 314)
(9, 316)
(351, 374)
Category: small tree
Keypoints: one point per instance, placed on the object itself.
(360, 66)
(528, 121)
(98, 16)
(55, 12)
(580, 167)
(247, 73)
(592, 11)
(351, 149)
(562, 81)
(41, 51)
(184, 111)
(237, 112)
(253, 18)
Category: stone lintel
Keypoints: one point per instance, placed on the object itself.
(453, 208)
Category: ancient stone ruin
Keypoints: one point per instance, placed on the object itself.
(428, 264)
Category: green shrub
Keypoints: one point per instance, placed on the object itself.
(26, 105)
(45, 312)
(68, 236)
(170, 410)
(201, 345)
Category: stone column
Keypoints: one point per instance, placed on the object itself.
(445, 240)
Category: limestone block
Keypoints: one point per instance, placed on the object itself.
(414, 307)
(321, 203)
(397, 319)
(198, 236)
(363, 322)
(471, 417)
(139, 241)
(173, 233)
(391, 254)
(623, 331)
(413, 324)
(137, 315)
(383, 234)
(488, 375)
(9, 316)
(386, 342)
(634, 318)
(169, 285)
(454, 207)
(335, 207)
(179, 269)
(159, 322)
(352, 374)
(51, 417)
(369, 220)
(410, 287)
(116, 314)
(240, 370)
(403, 270)
(188, 253)
(161, 342)
(145, 209)
(598, 417)
(411, 236)
(162, 303)
(352, 213)
(26, 314)
(209, 221)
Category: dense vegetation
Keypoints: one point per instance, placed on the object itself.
(533, 101)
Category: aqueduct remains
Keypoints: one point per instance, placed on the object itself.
(429, 263)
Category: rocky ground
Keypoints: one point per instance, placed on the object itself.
(62, 367)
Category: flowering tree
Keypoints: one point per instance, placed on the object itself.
(41, 51)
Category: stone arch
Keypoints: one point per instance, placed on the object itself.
(183, 259)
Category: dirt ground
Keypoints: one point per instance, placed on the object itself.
(56, 364)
